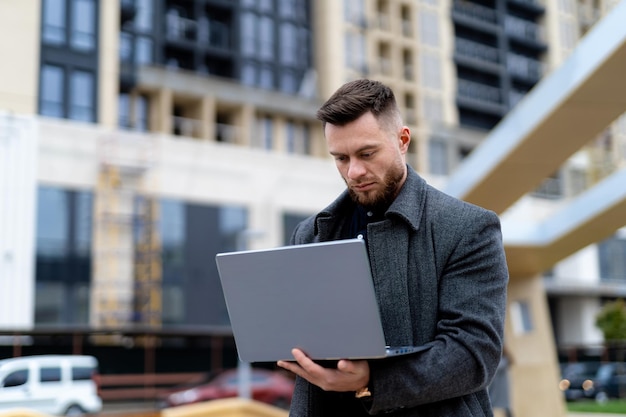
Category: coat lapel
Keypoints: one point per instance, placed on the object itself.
(388, 259)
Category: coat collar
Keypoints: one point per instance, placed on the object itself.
(408, 205)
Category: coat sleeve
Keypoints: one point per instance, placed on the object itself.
(470, 307)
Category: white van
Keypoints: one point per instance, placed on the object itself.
(52, 384)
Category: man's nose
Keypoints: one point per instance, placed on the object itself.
(356, 169)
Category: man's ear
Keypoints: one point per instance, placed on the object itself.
(404, 139)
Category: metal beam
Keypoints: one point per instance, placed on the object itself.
(592, 216)
(563, 112)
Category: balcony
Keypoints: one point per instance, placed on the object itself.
(476, 50)
(473, 11)
(534, 6)
(479, 92)
(228, 133)
(180, 28)
(521, 66)
(524, 30)
(185, 126)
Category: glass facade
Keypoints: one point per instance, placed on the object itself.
(290, 221)
(69, 59)
(191, 236)
(63, 256)
(612, 257)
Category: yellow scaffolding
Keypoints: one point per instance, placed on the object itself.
(127, 248)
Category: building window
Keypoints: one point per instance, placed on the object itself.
(297, 138)
(63, 256)
(82, 24)
(287, 9)
(133, 112)
(143, 50)
(143, 18)
(289, 44)
(54, 22)
(288, 82)
(82, 96)
(354, 12)
(266, 128)
(191, 290)
(429, 28)
(266, 79)
(75, 100)
(612, 257)
(266, 38)
(83, 35)
(290, 221)
(355, 51)
(51, 91)
(433, 109)
(438, 157)
(430, 71)
(521, 318)
(265, 6)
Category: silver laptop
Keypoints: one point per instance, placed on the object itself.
(317, 297)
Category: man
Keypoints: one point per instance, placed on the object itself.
(438, 267)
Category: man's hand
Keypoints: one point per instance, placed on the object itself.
(348, 376)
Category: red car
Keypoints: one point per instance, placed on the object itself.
(271, 387)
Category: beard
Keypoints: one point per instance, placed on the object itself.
(380, 199)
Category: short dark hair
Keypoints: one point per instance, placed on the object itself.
(355, 98)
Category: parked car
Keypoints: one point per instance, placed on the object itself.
(594, 380)
(577, 379)
(271, 387)
(51, 384)
(610, 381)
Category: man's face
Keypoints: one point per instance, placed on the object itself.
(370, 159)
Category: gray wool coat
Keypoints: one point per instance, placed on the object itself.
(440, 276)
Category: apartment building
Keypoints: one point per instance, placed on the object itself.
(141, 137)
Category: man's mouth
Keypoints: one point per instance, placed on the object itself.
(363, 187)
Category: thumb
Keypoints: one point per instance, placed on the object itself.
(345, 365)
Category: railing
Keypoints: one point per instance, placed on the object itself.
(476, 50)
(535, 3)
(524, 66)
(523, 29)
(475, 11)
(184, 126)
(178, 27)
(227, 133)
(480, 92)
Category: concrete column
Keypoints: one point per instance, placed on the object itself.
(161, 111)
(246, 125)
(279, 141)
(108, 80)
(534, 371)
(18, 190)
(20, 22)
(206, 115)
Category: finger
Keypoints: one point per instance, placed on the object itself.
(305, 362)
(345, 365)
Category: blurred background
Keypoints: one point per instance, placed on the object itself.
(138, 138)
